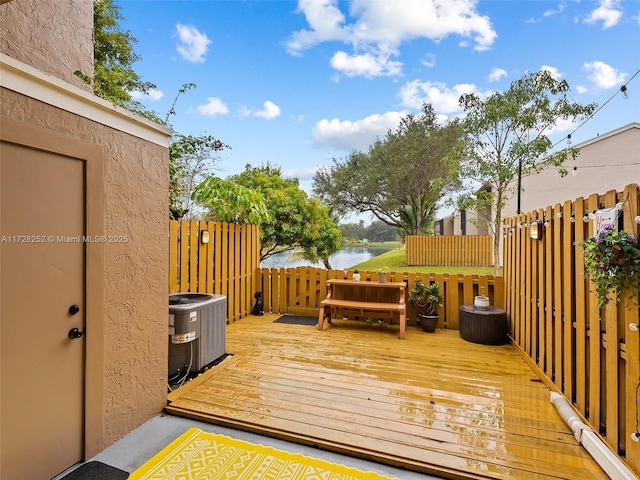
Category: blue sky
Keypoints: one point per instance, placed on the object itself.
(296, 83)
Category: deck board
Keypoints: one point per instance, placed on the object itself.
(431, 403)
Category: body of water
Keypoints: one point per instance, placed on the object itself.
(344, 258)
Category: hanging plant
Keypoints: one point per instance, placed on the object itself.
(612, 262)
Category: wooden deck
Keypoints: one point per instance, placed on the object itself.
(432, 403)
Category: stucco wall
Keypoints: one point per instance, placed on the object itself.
(608, 162)
(54, 36)
(134, 180)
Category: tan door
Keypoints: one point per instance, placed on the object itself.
(42, 285)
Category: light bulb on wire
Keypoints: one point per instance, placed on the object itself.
(625, 93)
(574, 172)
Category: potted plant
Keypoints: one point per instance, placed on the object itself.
(612, 263)
(426, 298)
(382, 274)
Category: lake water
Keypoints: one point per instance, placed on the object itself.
(344, 258)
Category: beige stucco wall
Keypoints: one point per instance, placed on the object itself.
(56, 37)
(127, 363)
(43, 105)
(608, 162)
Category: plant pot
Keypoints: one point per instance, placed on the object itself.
(481, 302)
(428, 322)
(382, 277)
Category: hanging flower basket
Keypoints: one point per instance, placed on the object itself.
(612, 263)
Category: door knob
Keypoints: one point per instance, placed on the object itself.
(75, 333)
(73, 309)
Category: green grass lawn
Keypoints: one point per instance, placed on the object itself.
(396, 261)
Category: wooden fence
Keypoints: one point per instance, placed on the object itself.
(589, 355)
(449, 250)
(225, 264)
(298, 291)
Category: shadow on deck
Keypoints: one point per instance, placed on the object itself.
(432, 403)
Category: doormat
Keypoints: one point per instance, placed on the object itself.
(296, 320)
(96, 471)
(201, 455)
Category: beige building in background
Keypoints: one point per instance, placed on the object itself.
(609, 161)
(84, 252)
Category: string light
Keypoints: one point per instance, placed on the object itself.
(622, 90)
(575, 171)
(625, 93)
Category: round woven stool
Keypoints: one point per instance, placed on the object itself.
(487, 326)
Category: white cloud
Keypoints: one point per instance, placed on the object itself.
(354, 135)
(380, 26)
(609, 13)
(443, 99)
(603, 75)
(244, 111)
(366, 65)
(561, 125)
(551, 12)
(193, 45)
(581, 89)
(300, 173)
(496, 74)
(429, 60)
(213, 107)
(325, 20)
(269, 112)
(553, 71)
(151, 95)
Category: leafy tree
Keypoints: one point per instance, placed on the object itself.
(505, 135)
(323, 237)
(381, 232)
(113, 56)
(191, 160)
(353, 231)
(411, 168)
(295, 220)
(227, 201)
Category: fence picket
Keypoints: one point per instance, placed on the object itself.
(631, 341)
(173, 256)
(449, 250)
(216, 266)
(300, 290)
(589, 355)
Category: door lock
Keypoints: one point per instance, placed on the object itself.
(75, 333)
(73, 309)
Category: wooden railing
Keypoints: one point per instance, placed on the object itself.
(589, 355)
(298, 291)
(449, 250)
(225, 264)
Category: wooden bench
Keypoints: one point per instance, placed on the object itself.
(365, 302)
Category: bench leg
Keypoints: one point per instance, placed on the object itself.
(324, 313)
(403, 326)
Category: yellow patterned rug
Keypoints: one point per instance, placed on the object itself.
(198, 455)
